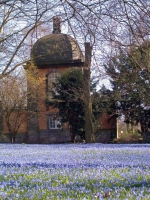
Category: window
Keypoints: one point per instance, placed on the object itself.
(51, 79)
(54, 122)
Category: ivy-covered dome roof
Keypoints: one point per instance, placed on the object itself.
(56, 49)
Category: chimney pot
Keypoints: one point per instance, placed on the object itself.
(56, 25)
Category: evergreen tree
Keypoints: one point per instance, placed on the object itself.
(129, 77)
(68, 97)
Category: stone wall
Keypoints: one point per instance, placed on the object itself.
(49, 136)
(146, 137)
(105, 135)
(20, 138)
(55, 136)
(39, 137)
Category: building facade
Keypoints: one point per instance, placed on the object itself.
(52, 54)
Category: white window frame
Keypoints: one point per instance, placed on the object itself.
(52, 79)
(54, 122)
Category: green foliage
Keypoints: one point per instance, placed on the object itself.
(130, 136)
(68, 99)
(129, 73)
(103, 103)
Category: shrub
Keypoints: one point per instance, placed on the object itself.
(132, 136)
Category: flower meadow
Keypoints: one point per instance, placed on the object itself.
(74, 171)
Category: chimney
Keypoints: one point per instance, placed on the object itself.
(56, 25)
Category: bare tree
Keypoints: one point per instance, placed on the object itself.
(14, 96)
(100, 22)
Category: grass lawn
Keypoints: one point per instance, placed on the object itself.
(74, 171)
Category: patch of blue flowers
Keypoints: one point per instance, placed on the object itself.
(74, 171)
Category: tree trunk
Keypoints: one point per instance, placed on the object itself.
(73, 134)
(128, 127)
(13, 139)
(89, 135)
